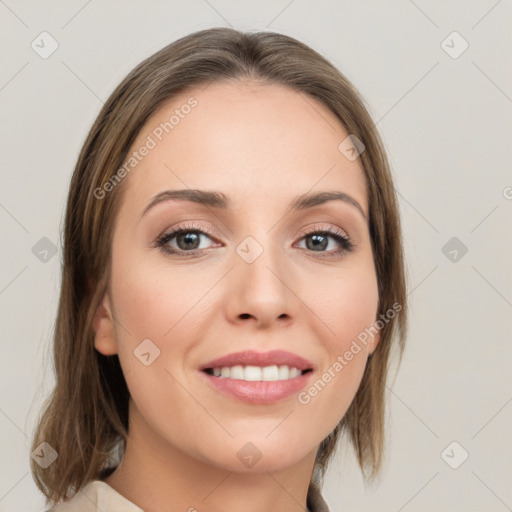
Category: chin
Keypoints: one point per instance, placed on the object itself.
(259, 456)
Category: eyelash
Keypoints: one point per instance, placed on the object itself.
(341, 238)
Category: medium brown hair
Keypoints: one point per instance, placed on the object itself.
(86, 415)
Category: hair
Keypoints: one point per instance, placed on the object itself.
(86, 416)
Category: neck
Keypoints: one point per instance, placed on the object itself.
(156, 475)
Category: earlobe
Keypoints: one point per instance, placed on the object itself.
(104, 333)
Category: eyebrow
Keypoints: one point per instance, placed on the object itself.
(216, 199)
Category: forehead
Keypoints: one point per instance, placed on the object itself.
(257, 143)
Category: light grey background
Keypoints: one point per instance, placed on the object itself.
(447, 126)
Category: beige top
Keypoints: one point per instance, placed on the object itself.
(98, 495)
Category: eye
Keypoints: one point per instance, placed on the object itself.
(183, 239)
(318, 240)
(187, 240)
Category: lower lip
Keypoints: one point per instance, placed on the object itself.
(259, 392)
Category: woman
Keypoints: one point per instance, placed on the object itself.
(232, 286)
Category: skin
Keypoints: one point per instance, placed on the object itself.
(262, 145)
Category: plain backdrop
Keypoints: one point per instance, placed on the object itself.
(437, 80)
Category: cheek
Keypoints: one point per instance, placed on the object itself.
(169, 307)
(154, 302)
(345, 305)
(344, 308)
(349, 311)
(151, 309)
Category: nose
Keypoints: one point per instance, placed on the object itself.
(260, 293)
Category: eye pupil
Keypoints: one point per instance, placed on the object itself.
(187, 237)
(316, 243)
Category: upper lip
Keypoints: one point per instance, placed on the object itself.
(253, 358)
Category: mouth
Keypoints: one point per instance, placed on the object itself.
(256, 373)
(258, 377)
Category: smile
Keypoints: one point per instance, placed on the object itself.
(256, 373)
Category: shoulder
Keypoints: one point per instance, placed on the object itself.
(96, 495)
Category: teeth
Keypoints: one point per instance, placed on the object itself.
(252, 373)
(294, 372)
(236, 372)
(257, 373)
(270, 373)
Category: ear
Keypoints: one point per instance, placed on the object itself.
(105, 340)
(373, 343)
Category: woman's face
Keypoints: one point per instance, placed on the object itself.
(251, 276)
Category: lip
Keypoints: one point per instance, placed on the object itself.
(253, 358)
(259, 392)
